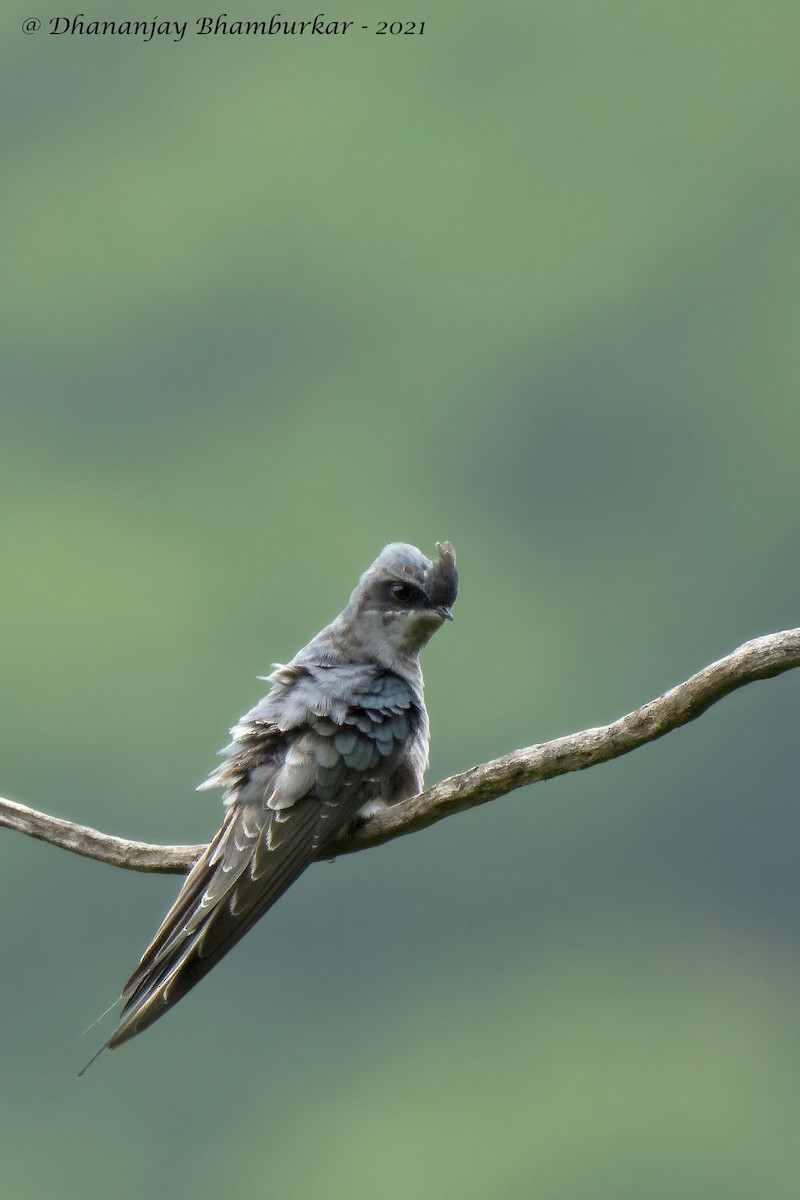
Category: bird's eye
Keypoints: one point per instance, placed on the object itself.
(405, 594)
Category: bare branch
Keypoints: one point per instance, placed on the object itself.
(759, 659)
(82, 839)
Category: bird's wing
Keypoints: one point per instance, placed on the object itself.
(290, 792)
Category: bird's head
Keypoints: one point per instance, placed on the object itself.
(403, 598)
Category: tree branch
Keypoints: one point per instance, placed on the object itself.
(759, 659)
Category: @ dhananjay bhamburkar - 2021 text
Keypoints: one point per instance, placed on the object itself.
(276, 25)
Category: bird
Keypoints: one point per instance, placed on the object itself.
(342, 732)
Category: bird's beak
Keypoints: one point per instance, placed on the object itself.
(445, 613)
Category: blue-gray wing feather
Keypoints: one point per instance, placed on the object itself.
(320, 746)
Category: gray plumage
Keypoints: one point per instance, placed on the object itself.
(343, 727)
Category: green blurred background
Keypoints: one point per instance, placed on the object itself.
(529, 282)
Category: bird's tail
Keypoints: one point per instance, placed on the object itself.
(241, 874)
